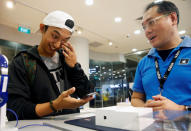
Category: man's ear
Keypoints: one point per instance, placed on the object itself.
(42, 28)
(174, 18)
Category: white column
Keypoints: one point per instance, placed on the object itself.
(81, 47)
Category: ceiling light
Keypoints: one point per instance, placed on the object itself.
(9, 4)
(157, 1)
(118, 19)
(182, 32)
(139, 52)
(134, 49)
(137, 32)
(79, 32)
(89, 2)
(110, 43)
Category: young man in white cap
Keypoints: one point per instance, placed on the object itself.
(46, 79)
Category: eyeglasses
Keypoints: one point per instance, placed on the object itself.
(56, 38)
(152, 22)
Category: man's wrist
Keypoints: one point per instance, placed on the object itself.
(77, 66)
(182, 107)
(73, 66)
(52, 107)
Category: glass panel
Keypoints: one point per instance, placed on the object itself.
(21, 47)
(110, 83)
(10, 49)
(111, 79)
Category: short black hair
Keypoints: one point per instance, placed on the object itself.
(45, 28)
(164, 7)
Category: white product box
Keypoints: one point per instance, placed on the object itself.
(127, 117)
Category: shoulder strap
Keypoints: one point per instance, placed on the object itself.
(30, 65)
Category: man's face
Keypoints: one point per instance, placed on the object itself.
(157, 27)
(53, 38)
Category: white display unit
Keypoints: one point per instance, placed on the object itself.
(3, 94)
(124, 117)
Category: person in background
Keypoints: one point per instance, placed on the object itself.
(162, 79)
(46, 79)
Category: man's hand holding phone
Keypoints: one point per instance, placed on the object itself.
(69, 53)
(65, 101)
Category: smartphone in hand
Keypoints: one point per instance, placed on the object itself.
(91, 94)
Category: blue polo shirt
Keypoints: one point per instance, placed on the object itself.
(177, 87)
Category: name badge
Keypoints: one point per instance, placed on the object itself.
(184, 61)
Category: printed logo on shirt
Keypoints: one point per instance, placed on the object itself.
(184, 61)
(58, 76)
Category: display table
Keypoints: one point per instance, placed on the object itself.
(165, 120)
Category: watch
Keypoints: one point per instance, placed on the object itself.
(188, 108)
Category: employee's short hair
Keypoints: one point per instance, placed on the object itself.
(164, 7)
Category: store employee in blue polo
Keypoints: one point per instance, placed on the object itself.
(163, 77)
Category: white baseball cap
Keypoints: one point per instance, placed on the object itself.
(59, 19)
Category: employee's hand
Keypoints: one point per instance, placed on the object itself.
(65, 101)
(148, 101)
(70, 55)
(162, 103)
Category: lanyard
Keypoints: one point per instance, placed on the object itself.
(162, 80)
